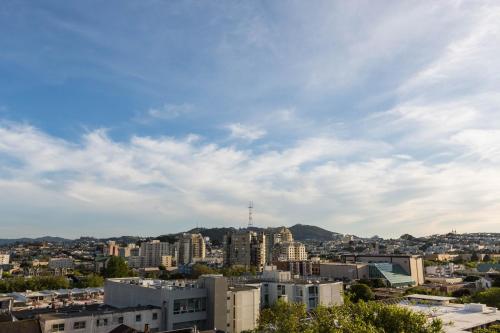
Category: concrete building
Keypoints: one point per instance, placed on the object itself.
(456, 318)
(410, 265)
(191, 249)
(95, 318)
(278, 285)
(245, 248)
(208, 303)
(154, 250)
(243, 308)
(61, 263)
(344, 271)
(111, 249)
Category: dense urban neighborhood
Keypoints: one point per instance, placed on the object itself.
(241, 280)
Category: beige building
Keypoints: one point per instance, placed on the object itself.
(191, 248)
(4, 259)
(274, 237)
(245, 248)
(289, 251)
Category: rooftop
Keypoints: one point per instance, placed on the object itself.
(457, 318)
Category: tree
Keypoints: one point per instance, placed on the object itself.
(361, 291)
(116, 268)
(491, 329)
(490, 297)
(350, 317)
(474, 257)
(487, 258)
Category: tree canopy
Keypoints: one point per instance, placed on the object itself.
(116, 268)
(361, 317)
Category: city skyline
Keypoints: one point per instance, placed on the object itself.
(154, 118)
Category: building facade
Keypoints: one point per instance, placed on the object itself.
(245, 248)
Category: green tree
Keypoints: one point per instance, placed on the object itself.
(361, 291)
(359, 317)
(116, 268)
(490, 297)
(491, 329)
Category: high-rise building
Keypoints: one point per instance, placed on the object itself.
(4, 259)
(191, 248)
(154, 250)
(289, 251)
(274, 237)
(245, 248)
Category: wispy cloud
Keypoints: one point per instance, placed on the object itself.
(164, 113)
(245, 132)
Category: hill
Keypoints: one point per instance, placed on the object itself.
(302, 232)
(48, 239)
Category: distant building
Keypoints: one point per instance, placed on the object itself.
(154, 250)
(61, 263)
(191, 248)
(392, 267)
(344, 271)
(4, 259)
(289, 251)
(245, 248)
(274, 237)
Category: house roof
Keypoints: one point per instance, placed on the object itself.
(24, 326)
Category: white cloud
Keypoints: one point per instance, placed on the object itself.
(164, 113)
(152, 185)
(245, 132)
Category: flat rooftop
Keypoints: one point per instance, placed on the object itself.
(76, 311)
(457, 318)
(431, 297)
(157, 284)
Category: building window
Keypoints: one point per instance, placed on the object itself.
(190, 305)
(138, 317)
(120, 320)
(58, 328)
(78, 325)
(155, 316)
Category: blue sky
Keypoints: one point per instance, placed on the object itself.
(149, 117)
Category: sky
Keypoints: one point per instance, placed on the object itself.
(151, 117)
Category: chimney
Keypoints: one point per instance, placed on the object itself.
(146, 328)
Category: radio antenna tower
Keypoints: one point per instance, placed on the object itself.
(250, 214)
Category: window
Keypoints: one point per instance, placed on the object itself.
(190, 305)
(155, 316)
(120, 320)
(102, 322)
(78, 325)
(138, 317)
(58, 328)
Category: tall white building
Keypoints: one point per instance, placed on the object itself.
(191, 248)
(289, 251)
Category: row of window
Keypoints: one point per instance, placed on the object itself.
(99, 322)
(190, 305)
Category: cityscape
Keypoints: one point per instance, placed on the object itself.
(263, 166)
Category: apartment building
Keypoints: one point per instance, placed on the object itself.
(279, 285)
(96, 318)
(245, 248)
(289, 251)
(61, 263)
(274, 237)
(192, 248)
(4, 259)
(208, 303)
(154, 250)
